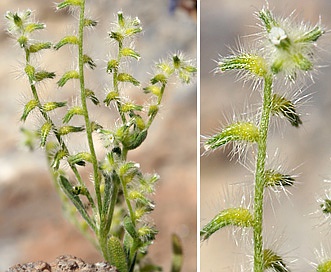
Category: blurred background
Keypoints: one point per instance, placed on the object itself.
(306, 150)
(32, 226)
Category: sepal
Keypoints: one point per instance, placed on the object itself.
(66, 40)
(239, 217)
(69, 3)
(30, 106)
(324, 267)
(124, 77)
(273, 261)
(239, 131)
(67, 76)
(285, 107)
(254, 64)
(274, 178)
(77, 110)
(69, 129)
(44, 132)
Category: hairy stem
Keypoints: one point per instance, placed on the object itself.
(85, 109)
(259, 175)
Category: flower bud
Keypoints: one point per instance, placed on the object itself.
(153, 110)
(79, 190)
(49, 106)
(111, 96)
(29, 28)
(66, 40)
(31, 105)
(41, 75)
(89, 61)
(239, 131)
(128, 107)
(57, 158)
(326, 206)
(162, 78)
(274, 178)
(23, 41)
(90, 22)
(91, 95)
(128, 52)
(67, 76)
(112, 65)
(254, 64)
(124, 77)
(128, 171)
(147, 233)
(153, 89)
(239, 217)
(30, 72)
(77, 110)
(273, 261)
(80, 158)
(69, 3)
(44, 132)
(36, 47)
(69, 129)
(324, 267)
(280, 105)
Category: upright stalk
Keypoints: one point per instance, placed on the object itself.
(259, 174)
(84, 106)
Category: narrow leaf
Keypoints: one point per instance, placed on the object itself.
(67, 189)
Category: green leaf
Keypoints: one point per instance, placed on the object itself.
(177, 254)
(116, 254)
(68, 190)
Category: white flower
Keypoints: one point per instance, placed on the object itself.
(277, 35)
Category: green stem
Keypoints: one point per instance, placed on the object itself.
(115, 84)
(58, 137)
(259, 175)
(151, 119)
(96, 175)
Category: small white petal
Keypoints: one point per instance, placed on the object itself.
(277, 35)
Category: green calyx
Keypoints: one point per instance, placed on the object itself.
(282, 106)
(239, 131)
(326, 206)
(274, 178)
(324, 267)
(254, 64)
(271, 260)
(239, 217)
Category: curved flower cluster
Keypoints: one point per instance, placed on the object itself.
(115, 203)
(283, 46)
(282, 51)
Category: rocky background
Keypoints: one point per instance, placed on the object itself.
(306, 150)
(32, 226)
